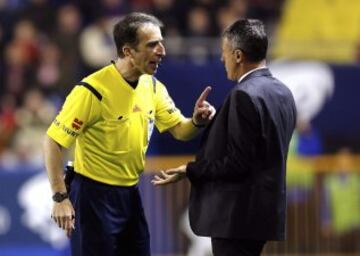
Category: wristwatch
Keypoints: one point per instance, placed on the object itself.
(60, 196)
(197, 125)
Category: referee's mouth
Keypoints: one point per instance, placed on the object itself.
(155, 64)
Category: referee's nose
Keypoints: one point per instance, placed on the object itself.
(160, 50)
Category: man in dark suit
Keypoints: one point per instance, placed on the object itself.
(238, 194)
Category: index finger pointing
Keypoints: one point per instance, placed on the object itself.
(203, 95)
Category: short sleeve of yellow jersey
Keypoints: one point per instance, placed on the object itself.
(81, 108)
(167, 115)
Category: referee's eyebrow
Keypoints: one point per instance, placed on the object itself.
(154, 42)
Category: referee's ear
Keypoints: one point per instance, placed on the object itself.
(126, 51)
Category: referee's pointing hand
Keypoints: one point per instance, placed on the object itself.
(203, 111)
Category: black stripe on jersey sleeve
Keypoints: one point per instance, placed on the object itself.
(92, 89)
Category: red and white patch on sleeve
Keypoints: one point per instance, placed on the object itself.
(76, 124)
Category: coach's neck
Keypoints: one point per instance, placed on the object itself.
(246, 66)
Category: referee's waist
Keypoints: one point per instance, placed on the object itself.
(100, 183)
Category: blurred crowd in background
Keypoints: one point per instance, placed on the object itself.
(46, 46)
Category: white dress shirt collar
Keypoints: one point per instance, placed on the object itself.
(249, 72)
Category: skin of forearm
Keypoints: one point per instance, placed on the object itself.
(185, 130)
(53, 156)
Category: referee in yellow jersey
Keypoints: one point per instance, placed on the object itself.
(110, 116)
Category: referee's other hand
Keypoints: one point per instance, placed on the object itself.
(63, 215)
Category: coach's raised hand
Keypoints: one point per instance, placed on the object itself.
(203, 111)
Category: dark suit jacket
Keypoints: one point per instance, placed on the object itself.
(238, 177)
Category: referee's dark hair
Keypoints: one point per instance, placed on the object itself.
(250, 37)
(125, 31)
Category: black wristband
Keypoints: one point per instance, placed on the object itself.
(197, 125)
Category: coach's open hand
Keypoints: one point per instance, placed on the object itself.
(203, 111)
(169, 176)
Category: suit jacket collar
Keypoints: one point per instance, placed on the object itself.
(260, 72)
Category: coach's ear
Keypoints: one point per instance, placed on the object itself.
(239, 55)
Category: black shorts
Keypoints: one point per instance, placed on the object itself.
(109, 220)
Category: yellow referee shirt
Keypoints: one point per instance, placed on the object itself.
(112, 132)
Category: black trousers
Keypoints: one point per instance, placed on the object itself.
(109, 220)
(235, 247)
